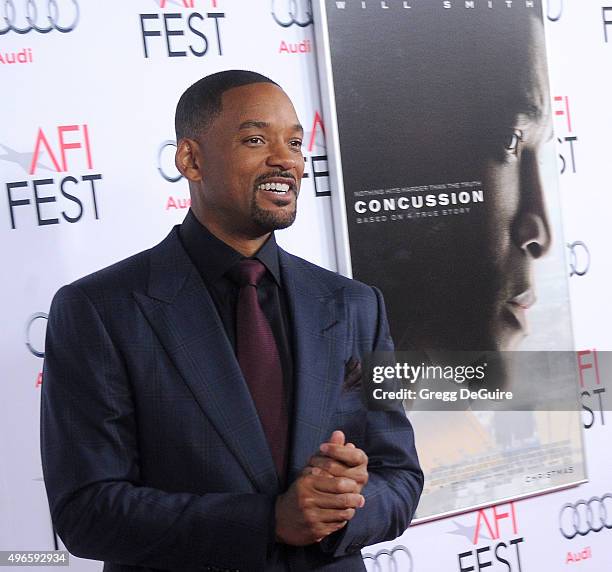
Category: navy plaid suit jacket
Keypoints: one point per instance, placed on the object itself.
(153, 454)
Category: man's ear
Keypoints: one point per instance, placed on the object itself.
(188, 159)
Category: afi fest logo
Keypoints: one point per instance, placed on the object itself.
(496, 540)
(38, 16)
(568, 139)
(315, 156)
(397, 559)
(184, 31)
(606, 16)
(56, 189)
(592, 390)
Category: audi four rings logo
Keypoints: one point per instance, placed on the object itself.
(286, 13)
(398, 559)
(165, 161)
(580, 258)
(42, 16)
(585, 516)
(555, 10)
(35, 333)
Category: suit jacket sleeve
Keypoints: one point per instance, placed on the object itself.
(91, 467)
(395, 477)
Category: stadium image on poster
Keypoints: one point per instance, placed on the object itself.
(440, 131)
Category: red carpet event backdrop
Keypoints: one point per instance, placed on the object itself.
(87, 178)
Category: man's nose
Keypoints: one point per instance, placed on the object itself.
(532, 228)
(283, 157)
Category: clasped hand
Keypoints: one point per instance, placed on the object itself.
(326, 494)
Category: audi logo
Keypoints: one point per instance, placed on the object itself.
(42, 16)
(586, 516)
(287, 13)
(36, 329)
(165, 162)
(580, 258)
(555, 10)
(397, 559)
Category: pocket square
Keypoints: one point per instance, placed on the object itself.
(352, 375)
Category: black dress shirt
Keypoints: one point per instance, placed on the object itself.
(213, 259)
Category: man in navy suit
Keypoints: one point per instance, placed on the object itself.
(156, 448)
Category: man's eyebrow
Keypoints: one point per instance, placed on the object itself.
(531, 105)
(253, 124)
(527, 114)
(532, 110)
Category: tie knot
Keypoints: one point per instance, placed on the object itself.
(247, 271)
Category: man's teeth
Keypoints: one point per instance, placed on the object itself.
(275, 187)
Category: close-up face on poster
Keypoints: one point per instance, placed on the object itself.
(451, 208)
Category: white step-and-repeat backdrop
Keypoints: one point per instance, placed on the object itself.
(87, 178)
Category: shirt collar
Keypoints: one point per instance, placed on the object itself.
(213, 257)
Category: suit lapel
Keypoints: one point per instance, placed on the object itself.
(182, 313)
(318, 324)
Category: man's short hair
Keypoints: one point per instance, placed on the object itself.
(201, 102)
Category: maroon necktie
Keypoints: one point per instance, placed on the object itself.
(259, 360)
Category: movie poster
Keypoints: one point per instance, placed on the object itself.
(440, 130)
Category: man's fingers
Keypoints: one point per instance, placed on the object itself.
(305, 514)
(347, 455)
(337, 438)
(320, 473)
(334, 485)
(327, 466)
(331, 515)
(311, 470)
(338, 501)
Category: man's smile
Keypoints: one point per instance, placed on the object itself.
(274, 187)
(282, 190)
